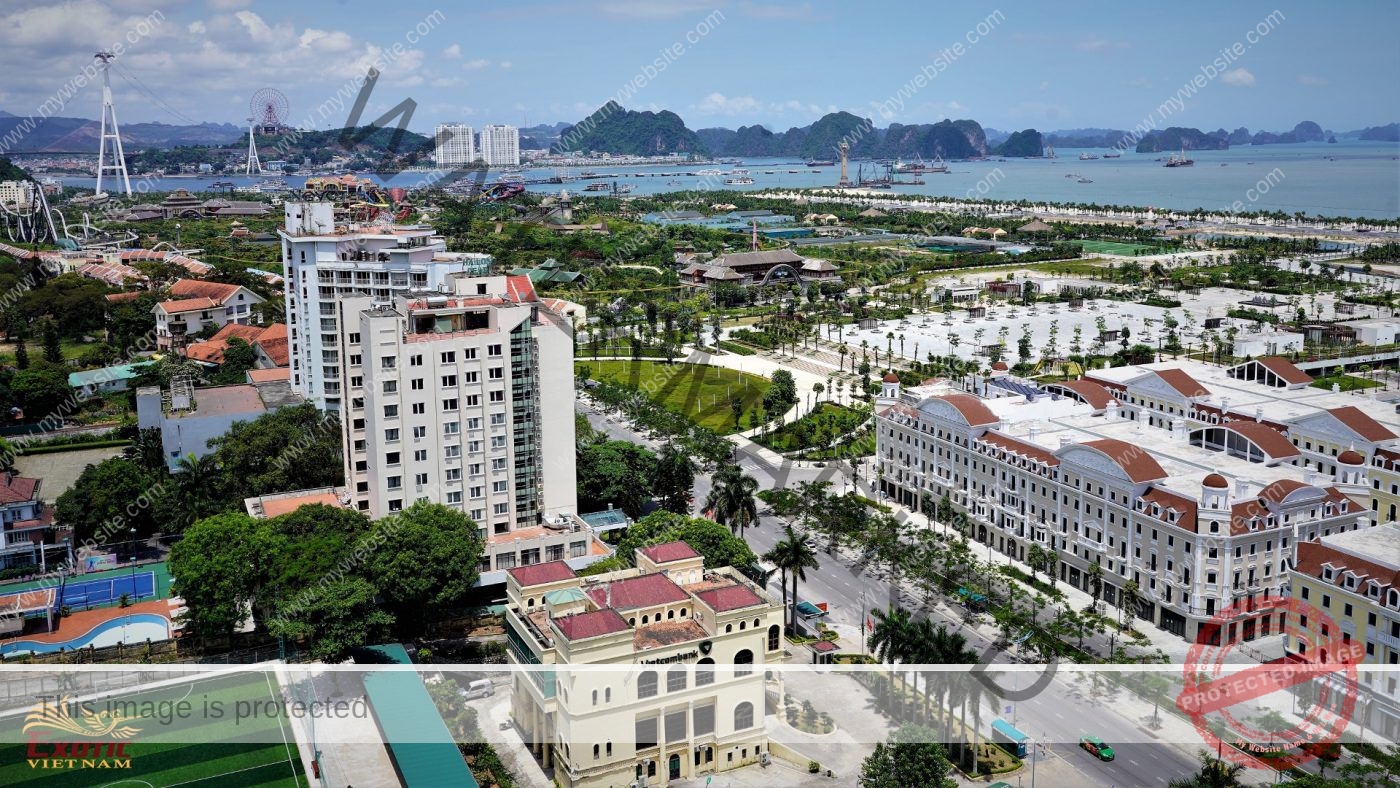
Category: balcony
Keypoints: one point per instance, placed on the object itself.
(1386, 638)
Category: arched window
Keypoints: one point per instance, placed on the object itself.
(704, 675)
(530, 602)
(595, 752)
(607, 694)
(632, 622)
(646, 684)
(670, 614)
(646, 619)
(743, 716)
(728, 627)
(757, 623)
(609, 749)
(774, 637)
(1392, 517)
(595, 697)
(742, 625)
(675, 679)
(743, 662)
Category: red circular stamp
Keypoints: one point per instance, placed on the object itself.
(1218, 696)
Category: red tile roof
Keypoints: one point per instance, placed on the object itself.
(1094, 394)
(590, 625)
(890, 377)
(1281, 489)
(538, 574)
(637, 592)
(519, 289)
(1019, 447)
(195, 288)
(245, 333)
(1182, 382)
(17, 489)
(1312, 555)
(973, 411)
(1134, 460)
(1362, 424)
(1284, 368)
(735, 597)
(1270, 440)
(670, 551)
(116, 298)
(1168, 499)
(268, 375)
(187, 305)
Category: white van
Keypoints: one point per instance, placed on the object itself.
(479, 689)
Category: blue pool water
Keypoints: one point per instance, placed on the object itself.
(135, 628)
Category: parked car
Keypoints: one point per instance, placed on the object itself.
(1095, 747)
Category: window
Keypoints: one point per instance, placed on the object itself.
(498, 396)
(415, 360)
(419, 408)
(646, 686)
(498, 441)
(703, 719)
(645, 730)
(501, 508)
(473, 423)
(498, 487)
(391, 435)
(454, 497)
(391, 411)
(416, 384)
(498, 464)
(449, 404)
(496, 373)
(454, 474)
(743, 663)
(451, 427)
(498, 419)
(394, 482)
(470, 377)
(774, 638)
(449, 357)
(420, 455)
(452, 452)
(493, 350)
(420, 478)
(449, 381)
(704, 675)
(478, 492)
(388, 362)
(675, 679)
(391, 458)
(420, 432)
(743, 716)
(391, 386)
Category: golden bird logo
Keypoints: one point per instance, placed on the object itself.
(102, 724)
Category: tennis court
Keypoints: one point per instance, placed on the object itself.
(197, 750)
(94, 593)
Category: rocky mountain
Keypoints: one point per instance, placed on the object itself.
(80, 135)
(1176, 138)
(949, 139)
(1085, 138)
(1022, 144)
(1387, 133)
(616, 130)
(1307, 131)
(1240, 136)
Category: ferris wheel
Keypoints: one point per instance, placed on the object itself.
(269, 109)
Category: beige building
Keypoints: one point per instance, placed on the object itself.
(1354, 579)
(466, 399)
(669, 682)
(1197, 490)
(194, 305)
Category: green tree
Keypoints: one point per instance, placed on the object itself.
(21, 350)
(892, 641)
(40, 389)
(910, 758)
(1129, 603)
(793, 556)
(711, 540)
(147, 451)
(193, 494)
(615, 473)
(239, 357)
(306, 548)
(1214, 773)
(342, 618)
(459, 717)
(106, 502)
(291, 448)
(674, 479)
(736, 407)
(215, 564)
(425, 564)
(731, 498)
(48, 334)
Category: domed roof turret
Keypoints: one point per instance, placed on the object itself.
(1216, 481)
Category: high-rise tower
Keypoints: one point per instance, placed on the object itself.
(118, 159)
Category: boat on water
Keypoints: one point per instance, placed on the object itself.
(769, 172)
(919, 167)
(794, 172)
(1113, 155)
(622, 188)
(820, 163)
(597, 187)
(1085, 180)
(1088, 156)
(1176, 160)
(587, 174)
(740, 181)
(221, 185)
(738, 172)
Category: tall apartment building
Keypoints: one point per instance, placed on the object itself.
(455, 146)
(1160, 478)
(327, 257)
(675, 688)
(1354, 579)
(500, 145)
(20, 194)
(465, 399)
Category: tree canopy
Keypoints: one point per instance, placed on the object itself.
(712, 541)
(108, 500)
(616, 473)
(426, 563)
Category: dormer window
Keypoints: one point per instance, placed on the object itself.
(1328, 572)
(1350, 581)
(1373, 590)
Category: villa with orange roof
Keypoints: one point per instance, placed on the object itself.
(194, 304)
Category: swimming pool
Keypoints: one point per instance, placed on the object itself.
(134, 628)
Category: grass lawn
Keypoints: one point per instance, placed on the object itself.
(184, 747)
(1071, 267)
(829, 422)
(700, 392)
(1116, 247)
(1345, 382)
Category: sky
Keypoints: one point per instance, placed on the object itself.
(1008, 65)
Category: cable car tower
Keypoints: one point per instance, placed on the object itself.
(118, 159)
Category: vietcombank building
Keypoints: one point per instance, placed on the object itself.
(654, 672)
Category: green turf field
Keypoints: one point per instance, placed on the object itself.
(257, 751)
(1114, 247)
(698, 391)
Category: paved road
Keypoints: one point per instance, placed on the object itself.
(1059, 715)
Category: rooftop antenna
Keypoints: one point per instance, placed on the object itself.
(118, 159)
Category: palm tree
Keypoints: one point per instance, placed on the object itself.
(794, 556)
(731, 499)
(193, 480)
(1214, 773)
(1129, 602)
(1095, 582)
(891, 641)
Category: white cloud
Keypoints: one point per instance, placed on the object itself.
(326, 40)
(454, 51)
(504, 64)
(445, 82)
(477, 63)
(719, 104)
(196, 28)
(1239, 77)
(1312, 81)
(226, 5)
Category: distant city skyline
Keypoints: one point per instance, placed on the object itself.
(1015, 65)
